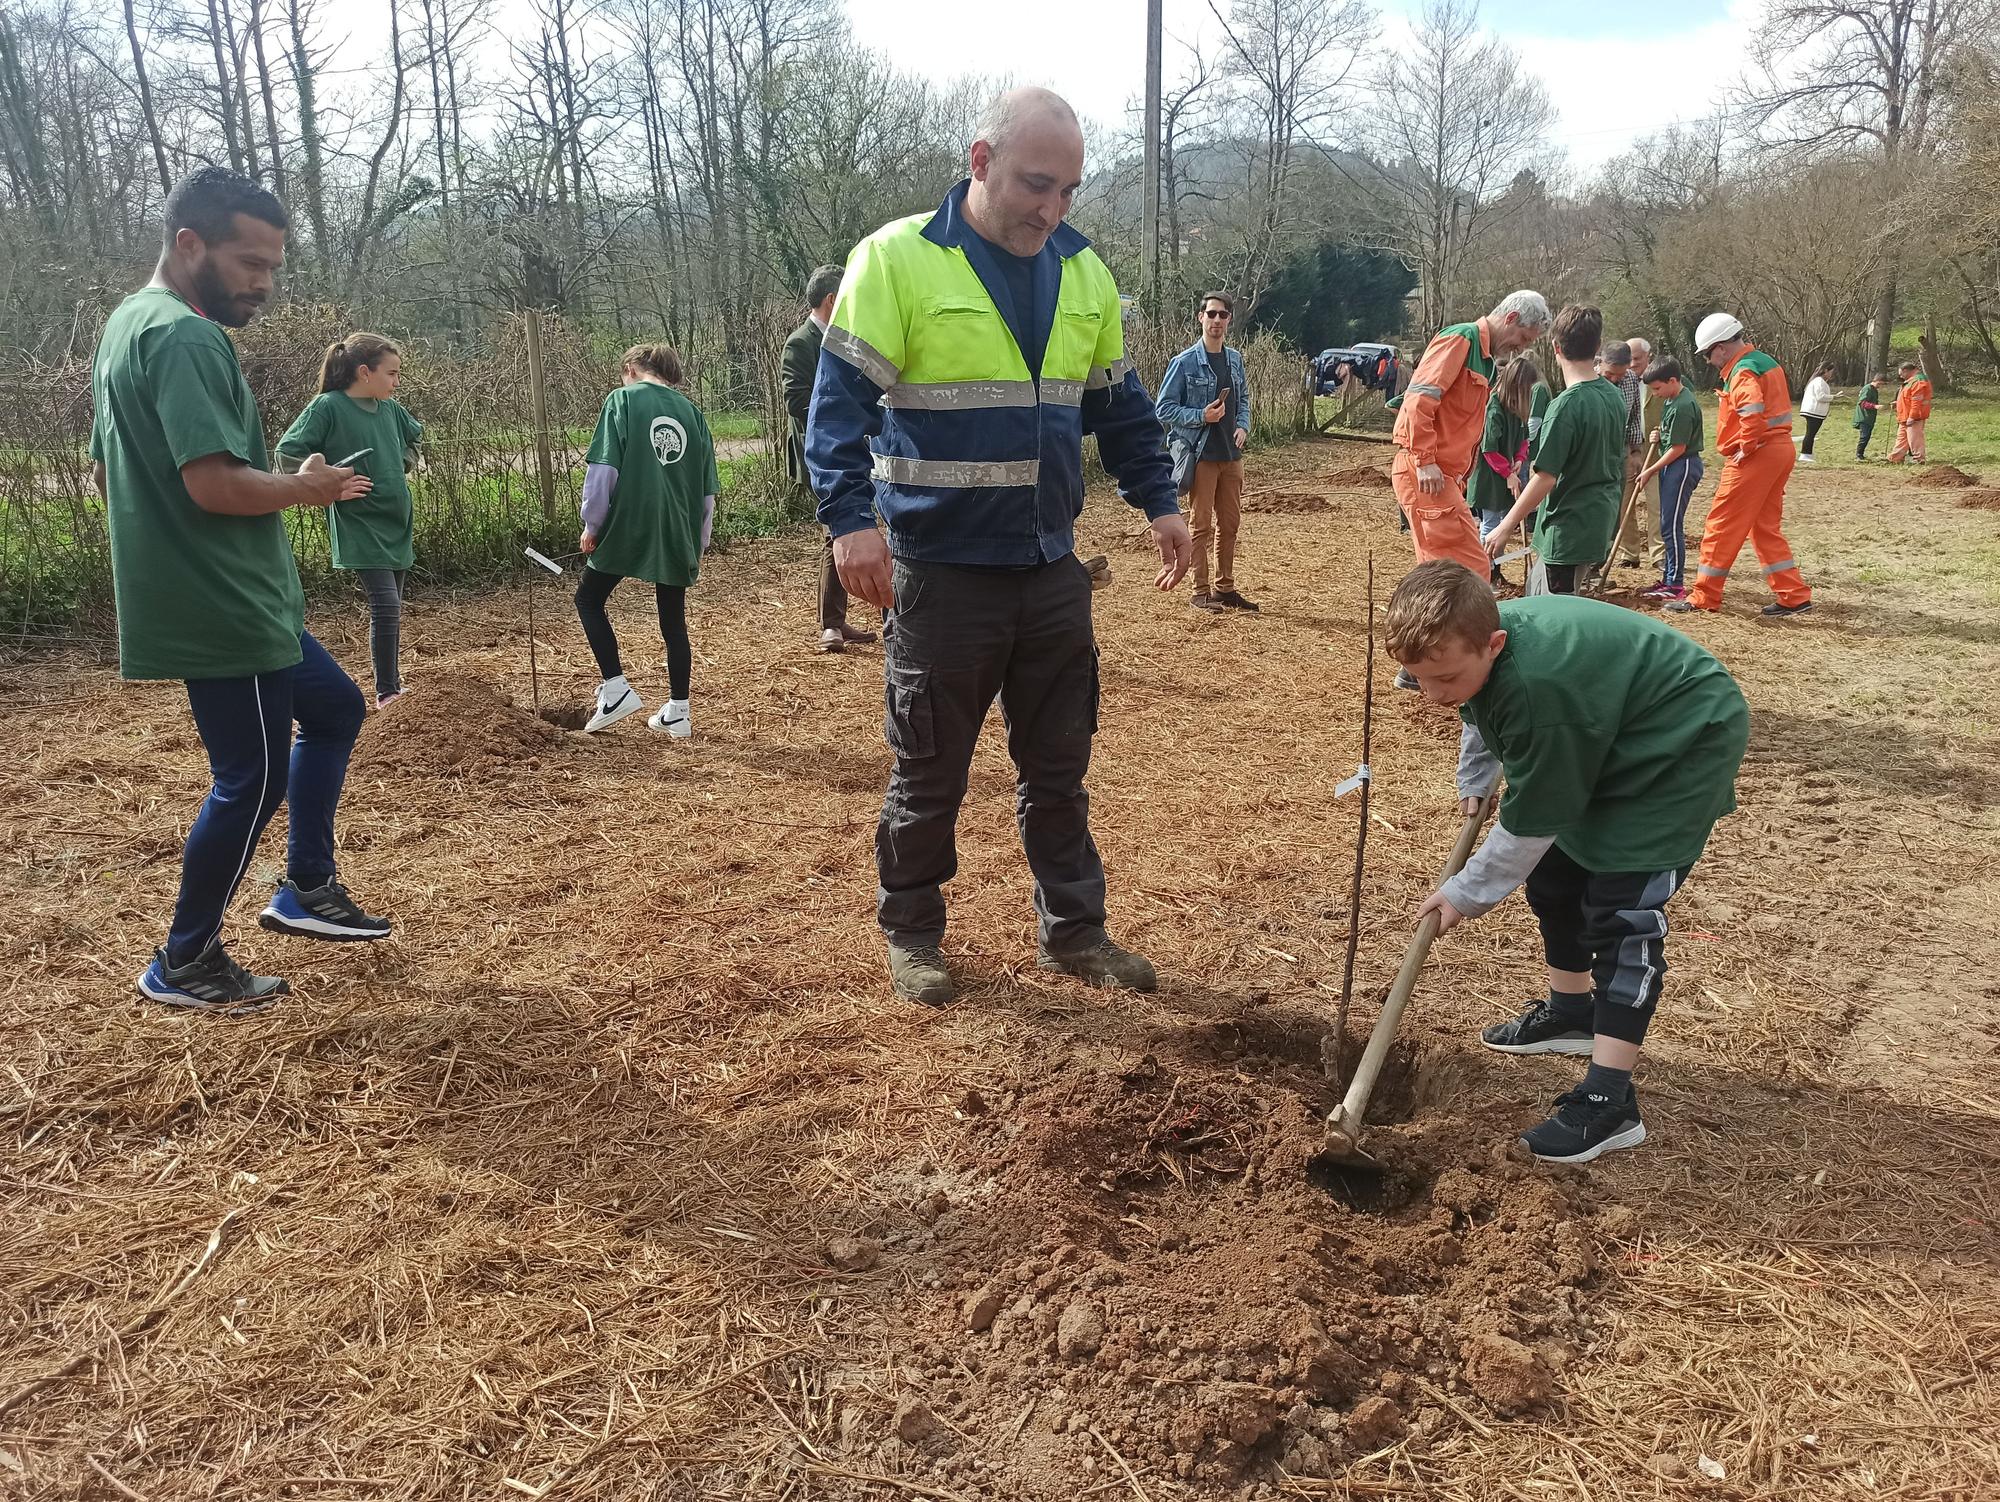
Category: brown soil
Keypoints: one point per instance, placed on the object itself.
(1284, 503)
(617, 1174)
(454, 725)
(1981, 499)
(1359, 477)
(1942, 477)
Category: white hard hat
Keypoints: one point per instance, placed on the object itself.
(1714, 329)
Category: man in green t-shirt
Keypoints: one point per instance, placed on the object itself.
(207, 590)
(1619, 738)
(1578, 461)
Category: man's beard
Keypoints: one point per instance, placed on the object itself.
(217, 302)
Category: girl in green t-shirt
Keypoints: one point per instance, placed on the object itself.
(649, 488)
(354, 414)
(1503, 449)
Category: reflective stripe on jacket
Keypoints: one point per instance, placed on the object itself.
(924, 406)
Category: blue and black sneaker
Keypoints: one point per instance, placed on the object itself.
(211, 982)
(1541, 1029)
(320, 913)
(1584, 1126)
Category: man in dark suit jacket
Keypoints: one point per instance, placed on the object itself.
(801, 364)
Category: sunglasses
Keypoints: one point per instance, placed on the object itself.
(1214, 313)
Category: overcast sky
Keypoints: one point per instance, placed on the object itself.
(1614, 72)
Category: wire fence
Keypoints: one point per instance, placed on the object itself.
(500, 470)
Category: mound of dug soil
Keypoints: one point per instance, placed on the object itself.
(452, 725)
(1360, 477)
(1213, 1300)
(1981, 499)
(1942, 477)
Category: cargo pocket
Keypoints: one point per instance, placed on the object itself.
(907, 722)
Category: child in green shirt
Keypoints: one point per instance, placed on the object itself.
(1503, 448)
(649, 489)
(1578, 460)
(1679, 467)
(1619, 738)
(355, 415)
(1866, 405)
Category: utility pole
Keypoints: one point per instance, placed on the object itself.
(1151, 289)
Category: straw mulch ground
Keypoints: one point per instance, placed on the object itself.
(617, 1174)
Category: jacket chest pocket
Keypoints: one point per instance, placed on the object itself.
(1072, 343)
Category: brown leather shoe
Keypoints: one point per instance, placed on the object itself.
(1207, 602)
(855, 634)
(1229, 599)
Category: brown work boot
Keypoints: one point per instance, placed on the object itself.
(855, 635)
(917, 973)
(1103, 964)
(1206, 601)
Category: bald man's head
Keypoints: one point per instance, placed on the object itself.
(1027, 163)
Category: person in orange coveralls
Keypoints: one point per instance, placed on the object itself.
(1440, 420)
(1913, 410)
(1755, 439)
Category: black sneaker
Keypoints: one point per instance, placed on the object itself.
(1780, 609)
(323, 913)
(1540, 1029)
(211, 982)
(1584, 1127)
(1231, 600)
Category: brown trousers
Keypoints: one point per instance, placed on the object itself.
(1218, 512)
(1640, 537)
(832, 593)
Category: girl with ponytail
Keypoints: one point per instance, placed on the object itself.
(355, 413)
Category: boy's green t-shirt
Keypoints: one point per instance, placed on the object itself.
(1583, 444)
(658, 441)
(1864, 415)
(374, 531)
(1505, 433)
(1618, 735)
(1680, 422)
(199, 595)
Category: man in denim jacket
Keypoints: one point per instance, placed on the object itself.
(1208, 422)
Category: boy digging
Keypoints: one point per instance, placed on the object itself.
(1619, 738)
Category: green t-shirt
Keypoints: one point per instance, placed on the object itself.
(1538, 413)
(1618, 735)
(199, 595)
(1583, 444)
(658, 442)
(1680, 422)
(1864, 415)
(374, 531)
(1504, 435)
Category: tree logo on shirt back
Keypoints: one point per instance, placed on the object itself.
(670, 440)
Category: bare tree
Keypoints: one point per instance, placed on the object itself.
(1836, 76)
(1453, 121)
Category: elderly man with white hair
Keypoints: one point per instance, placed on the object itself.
(969, 352)
(1438, 426)
(1638, 542)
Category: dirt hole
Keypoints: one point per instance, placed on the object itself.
(573, 717)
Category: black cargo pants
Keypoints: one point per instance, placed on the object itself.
(958, 637)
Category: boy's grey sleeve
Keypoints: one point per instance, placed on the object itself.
(1478, 768)
(1497, 867)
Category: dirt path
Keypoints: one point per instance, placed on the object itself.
(617, 1175)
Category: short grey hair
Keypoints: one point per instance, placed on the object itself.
(1617, 352)
(823, 283)
(1007, 113)
(1640, 347)
(1530, 309)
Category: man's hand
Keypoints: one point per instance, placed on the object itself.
(1242, 437)
(1214, 410)
(862, 561)
(1448, 916)
(586, 543)
(328, 484)
(1430, 479)
(1176, 545)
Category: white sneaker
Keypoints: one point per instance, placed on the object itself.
(673, 718)
(615, 700)
(1807, 459)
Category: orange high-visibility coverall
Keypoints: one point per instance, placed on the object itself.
(1442, 416)
(1913, 410)
(1755, 437)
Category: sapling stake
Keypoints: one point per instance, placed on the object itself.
(1360, 838)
